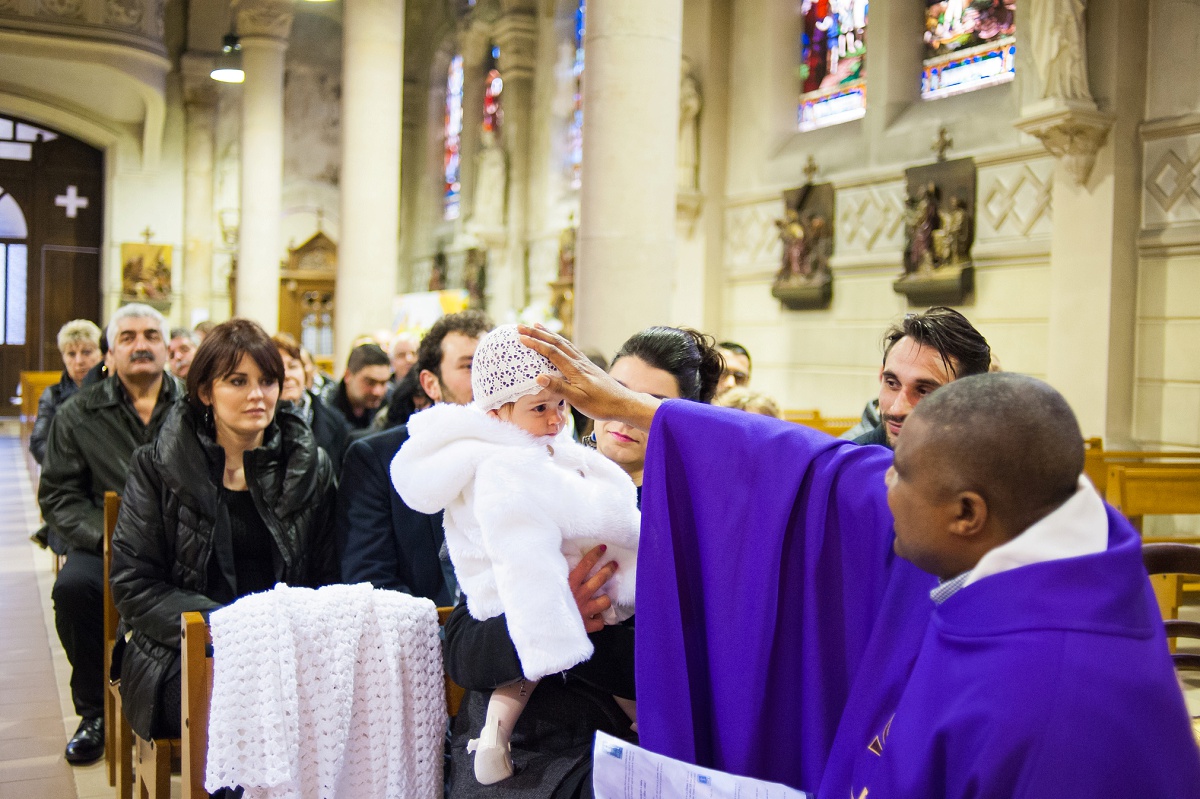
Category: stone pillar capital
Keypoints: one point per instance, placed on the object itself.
(473, 42)
(198, 88)
(266, 19)
(516, 34)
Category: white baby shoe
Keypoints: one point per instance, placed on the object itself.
(493, 759)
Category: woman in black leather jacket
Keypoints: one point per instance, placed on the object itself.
(229, 500)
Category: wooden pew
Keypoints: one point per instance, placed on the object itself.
(454, 692)
(118, 738)
(1096, 460)
(150, 775)
(833, 425)
(197, 698)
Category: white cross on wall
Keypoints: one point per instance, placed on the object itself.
(71, 201)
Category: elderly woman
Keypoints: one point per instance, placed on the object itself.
(231, 499)
(79, 344)
(552, 742)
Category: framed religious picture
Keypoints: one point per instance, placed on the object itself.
(804, 281)
(146, 274)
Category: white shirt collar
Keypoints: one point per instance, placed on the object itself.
(1077, 527)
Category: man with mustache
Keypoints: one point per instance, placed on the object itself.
(920, 355)
(90, 443)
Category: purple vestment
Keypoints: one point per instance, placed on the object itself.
(1050, 680)
(770, 601)
(765, 560)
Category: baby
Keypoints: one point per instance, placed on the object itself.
(524, 502)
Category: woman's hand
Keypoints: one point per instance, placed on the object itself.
(586, 386)
(585, 588)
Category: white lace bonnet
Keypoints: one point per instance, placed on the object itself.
(504, 370)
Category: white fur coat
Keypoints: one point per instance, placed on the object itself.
(519, 515)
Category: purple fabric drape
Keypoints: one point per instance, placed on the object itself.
(765, 559)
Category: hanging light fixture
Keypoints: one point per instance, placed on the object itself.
(227, 67)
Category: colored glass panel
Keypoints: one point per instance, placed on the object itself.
(969, 44)
(833, 66)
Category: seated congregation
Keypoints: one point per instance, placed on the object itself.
(938, 604)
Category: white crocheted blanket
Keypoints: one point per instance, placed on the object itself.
(318, 694)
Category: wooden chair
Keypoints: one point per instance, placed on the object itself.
(150, 774)
(454, 692)
(197, 698)
(1165, 563)
(118, 738)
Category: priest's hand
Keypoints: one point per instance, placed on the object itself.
(586, 386)
(585, 588)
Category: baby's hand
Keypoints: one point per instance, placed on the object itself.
(591, 604)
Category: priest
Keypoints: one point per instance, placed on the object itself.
(991, 633)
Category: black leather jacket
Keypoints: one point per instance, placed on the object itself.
(172, 547)
(91, 441)
(48, 403)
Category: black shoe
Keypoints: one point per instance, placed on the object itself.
(87, 744)
(41, 536)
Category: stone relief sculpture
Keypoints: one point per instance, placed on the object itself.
(1059, 47)
(807, 246)
(566, 251)
(936, 237)
(491, 184)
(690, 105)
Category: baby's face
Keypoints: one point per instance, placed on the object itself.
(541, 414)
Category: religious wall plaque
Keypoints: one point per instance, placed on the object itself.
(146, 274)
(939, 231)
(804, 281)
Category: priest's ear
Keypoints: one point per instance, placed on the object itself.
(971, 515)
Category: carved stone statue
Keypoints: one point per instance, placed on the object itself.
(922, 257)
(476, 278)
(491, 184)
(437, 275)
(795, 247)
(957, 225)
(1059, 46)
(690, 104)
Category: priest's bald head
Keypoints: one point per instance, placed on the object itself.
(980, 461)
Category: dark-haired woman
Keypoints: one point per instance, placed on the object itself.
(552, 741)
(229, 500)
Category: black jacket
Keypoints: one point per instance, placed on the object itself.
(48, 405)
(331, 430)
(552, 742)
(172, 547)
(380, 539)
(91, 441)
(876, 435)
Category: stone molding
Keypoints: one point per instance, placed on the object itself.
(133, 22)
(198, 88)
(269, 19)
(516, 34)
(1071, 130)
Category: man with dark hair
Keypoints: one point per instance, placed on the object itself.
(91, 441)
(381, 540)
(737, 366)
(966, 619)
(361, 390)
(920, 355)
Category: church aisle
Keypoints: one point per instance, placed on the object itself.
(36, 717)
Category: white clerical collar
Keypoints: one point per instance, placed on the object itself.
(1077, 527)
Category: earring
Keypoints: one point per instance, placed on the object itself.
(208, 416)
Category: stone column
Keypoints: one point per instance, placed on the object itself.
(200, 104)
(516, 36)
(264, 26)
(626, 253)
(473, 43)
(372, 89)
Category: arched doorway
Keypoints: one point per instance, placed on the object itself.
(51, 232)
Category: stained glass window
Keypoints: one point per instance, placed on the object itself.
(575, 127)
(969, 44)
(493, 111)
(12, 221)
(16, 139)
(13, 258)
(833, 67)
(452, 166)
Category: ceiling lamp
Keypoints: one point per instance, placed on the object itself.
(227, 67)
